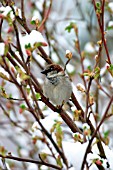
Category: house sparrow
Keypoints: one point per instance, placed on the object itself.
(57, 87)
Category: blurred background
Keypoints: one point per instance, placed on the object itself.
(16, 127)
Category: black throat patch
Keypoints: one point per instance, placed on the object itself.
(53, 80)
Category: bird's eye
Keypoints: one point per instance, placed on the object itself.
(51, 68)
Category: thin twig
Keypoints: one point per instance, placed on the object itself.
(29, 160)
(1, 29)
(45, 17)
(13, 122)
(102, 29)
(87, 98)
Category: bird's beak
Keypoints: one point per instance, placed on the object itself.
(44, 72)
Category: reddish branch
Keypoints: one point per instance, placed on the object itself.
(46, 15)
(101, 25)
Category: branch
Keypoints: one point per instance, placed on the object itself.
(22, 9)
(45, 17)
(29, 160)
(76, 103)
(1, 29)
(96, 131)
(102, 28)
(13, 122)
(87, 98)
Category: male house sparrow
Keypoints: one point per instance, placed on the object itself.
(57, 87)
